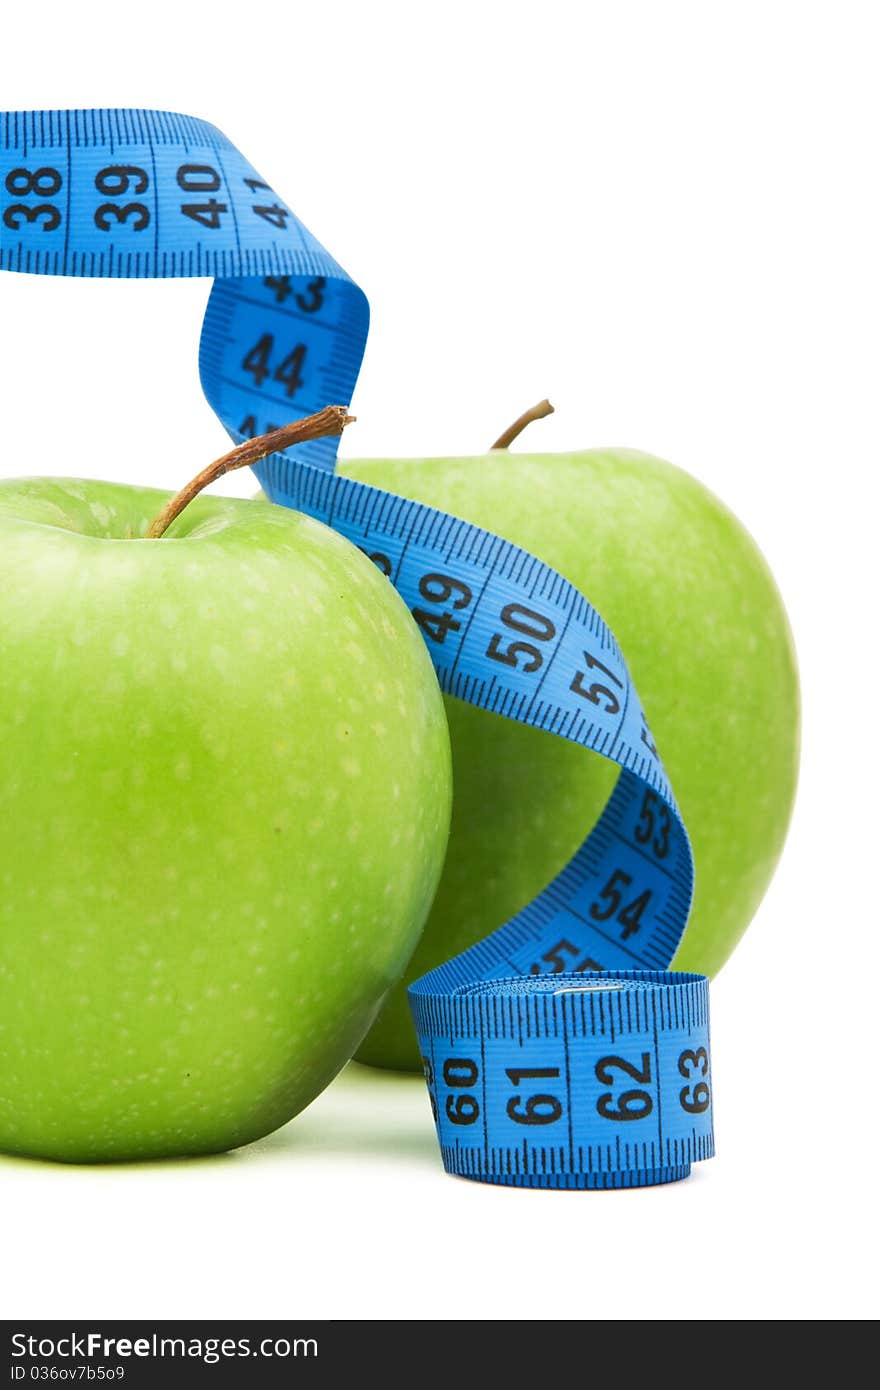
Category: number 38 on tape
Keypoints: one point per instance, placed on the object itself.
(558, 1052)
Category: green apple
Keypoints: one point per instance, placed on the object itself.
(703, 628)
(224, 793)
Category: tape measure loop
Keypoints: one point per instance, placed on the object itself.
(581, 1080)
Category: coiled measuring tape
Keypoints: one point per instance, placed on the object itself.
(558, 1052)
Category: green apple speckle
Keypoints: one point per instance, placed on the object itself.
(224, 792)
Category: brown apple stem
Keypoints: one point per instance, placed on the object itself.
(537, 412)
(331, 420)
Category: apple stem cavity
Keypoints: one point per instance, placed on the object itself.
(331, 420)
(537, 412)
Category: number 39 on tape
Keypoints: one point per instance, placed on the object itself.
(558, 1052)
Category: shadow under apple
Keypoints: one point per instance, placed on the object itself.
(364, 1115)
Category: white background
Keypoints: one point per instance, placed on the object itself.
(664, 217)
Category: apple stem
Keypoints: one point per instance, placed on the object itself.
(331, 420)
(537, 412)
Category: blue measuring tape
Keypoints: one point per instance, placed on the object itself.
(558, 1052)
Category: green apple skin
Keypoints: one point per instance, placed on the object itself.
(702, 626)
(224, 795)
